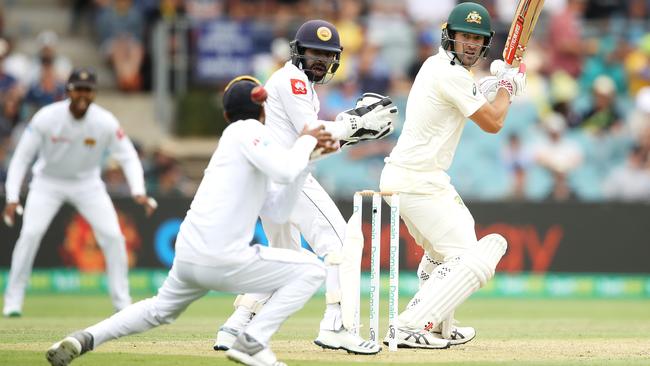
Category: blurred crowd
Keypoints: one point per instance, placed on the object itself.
(582, 132)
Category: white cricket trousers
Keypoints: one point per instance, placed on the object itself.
(317, 218)
(435, 215)
(89, 197)
(293, 277)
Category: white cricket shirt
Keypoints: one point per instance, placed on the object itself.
(291, 104)
(234, 191)
(70, 150)
(441, 98)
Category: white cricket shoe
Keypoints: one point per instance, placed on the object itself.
(417, 338)
(226, 337)
(63, 352)
(343, 339)
(459, 335)
(247, 351)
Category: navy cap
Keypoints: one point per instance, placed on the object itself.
(82, 77)
(237, 97)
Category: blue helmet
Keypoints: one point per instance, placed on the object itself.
(318, 35)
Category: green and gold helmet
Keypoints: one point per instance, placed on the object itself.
(469, 18)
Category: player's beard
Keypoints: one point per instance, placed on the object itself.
(318, 70)
(80, 106)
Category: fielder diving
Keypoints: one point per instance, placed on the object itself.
(248, 175)
(293, 104)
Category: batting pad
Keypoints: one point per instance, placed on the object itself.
(453, 282)
(350, 272)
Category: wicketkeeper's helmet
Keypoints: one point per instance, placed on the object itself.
(469, 18)
(318, 35)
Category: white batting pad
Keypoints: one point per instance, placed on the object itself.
(454, 281)
(350, 272)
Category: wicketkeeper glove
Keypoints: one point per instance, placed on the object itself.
(373, 117)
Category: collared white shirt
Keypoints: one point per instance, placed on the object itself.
(71, 150)
(443, 95)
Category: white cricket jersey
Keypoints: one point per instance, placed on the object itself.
(441, 98)
(70, 150)
(235, 190)
(291, 104)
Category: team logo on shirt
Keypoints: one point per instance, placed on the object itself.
(298, 86)
(119, 133)
(89, 141)
(473, 17)
(474, 89)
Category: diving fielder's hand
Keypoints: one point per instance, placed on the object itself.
(325, 144)
(10, 211)
(149, 203)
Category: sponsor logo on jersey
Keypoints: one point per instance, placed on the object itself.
(474, 89)
(256, 141)
(89, 141)
(298, 86)
(58, 139)
(324, 33)
(120, 133)
(473, 17)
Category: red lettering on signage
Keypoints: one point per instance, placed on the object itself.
(524, 241)
(529, 248)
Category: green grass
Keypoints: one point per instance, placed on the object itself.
(510, 332)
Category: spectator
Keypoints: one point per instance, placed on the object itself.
(561, 190)
(566, 47)
(372, 70)
(603, 113)
(120, 27)
(557, 154)
(631, 181)
(637, 65)
(391, 31)
(47, 89)
(116, 184)
(47, 54)
(639, 119)
(351, 33)
(516, 160)
(10, 95)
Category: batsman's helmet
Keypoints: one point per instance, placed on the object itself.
(237, 102)
(319, 35)
(469, 18)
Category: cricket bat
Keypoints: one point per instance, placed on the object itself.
(522, 27)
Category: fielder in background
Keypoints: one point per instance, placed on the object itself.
(443, 96)
(293, 104)
(71, 138)
(213, 250)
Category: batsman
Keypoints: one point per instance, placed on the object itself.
(443, 96)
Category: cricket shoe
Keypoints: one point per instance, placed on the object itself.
(63, 352)
(417, 338)
(226, 337)
(346, 340)
(12, 314)
(248, 351)
(457, 335)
